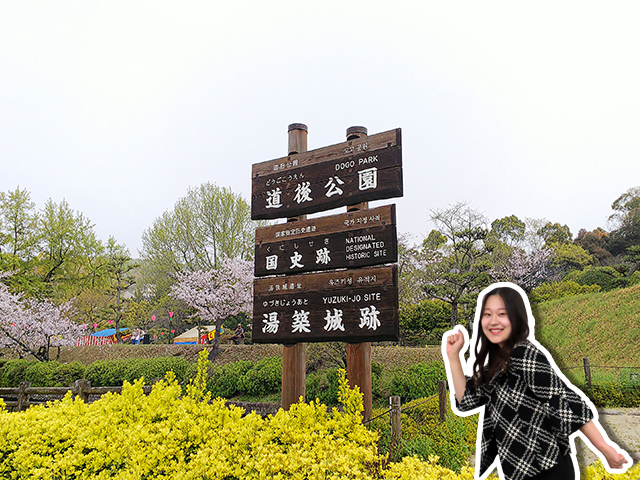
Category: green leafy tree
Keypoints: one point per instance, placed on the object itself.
(410, 289)
(18, 222)
(632, 257)
(456, 258)
(568, 257)
(506, 241)
(18, 239)
(554, 233)
(607, 278)
(555, 290)
(508, 230)
(66, 241)
(596, 243)
(626, 221)
(424, 322)
(208, 224)
(119, 266)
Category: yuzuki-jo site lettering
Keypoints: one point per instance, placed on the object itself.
(358, 304)
(350, 240)
(355, 171)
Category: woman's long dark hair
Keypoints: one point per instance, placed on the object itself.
(499, 357)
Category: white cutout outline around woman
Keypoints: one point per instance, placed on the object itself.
(591, 432)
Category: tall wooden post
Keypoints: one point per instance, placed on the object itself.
(359, 354)
(294, 359)
(396, 420)
(442, 398)
(587, 372)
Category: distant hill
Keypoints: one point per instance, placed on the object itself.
(605, 327)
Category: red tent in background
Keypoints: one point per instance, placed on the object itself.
(103, 337)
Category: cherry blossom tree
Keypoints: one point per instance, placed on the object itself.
(217, 294)
(30, 326)
(528, 270)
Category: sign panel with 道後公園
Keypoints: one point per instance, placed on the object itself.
(348, 173)
(358, 305)
(349, 240)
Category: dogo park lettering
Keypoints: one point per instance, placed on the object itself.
(328, 177)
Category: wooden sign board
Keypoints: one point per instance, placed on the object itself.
(351, 172)
(359, 305)
(350, 240)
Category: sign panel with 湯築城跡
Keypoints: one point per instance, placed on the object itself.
(357, 305)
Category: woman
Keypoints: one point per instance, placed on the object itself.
(529, 411)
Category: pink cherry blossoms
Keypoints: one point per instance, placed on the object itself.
(218, 293)
(28, 326)
(528, 270)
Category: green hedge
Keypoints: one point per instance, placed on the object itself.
(107, 373)
(323, 386)
(263, 378)
(417, 381)
(12, 372)
(245, 377)
(112, 373)
(610, 395)
(54, 374)
(223, 381)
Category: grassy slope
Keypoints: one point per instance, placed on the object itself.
(605, 327)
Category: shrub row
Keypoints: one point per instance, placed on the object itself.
(610, 395)
(107, 373)
(244, 377)
(264, 377)
(410, 383)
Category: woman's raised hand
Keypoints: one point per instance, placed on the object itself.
(455, 342)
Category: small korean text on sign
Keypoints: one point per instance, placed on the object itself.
(349, 240)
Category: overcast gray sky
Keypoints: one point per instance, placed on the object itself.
(119, 107)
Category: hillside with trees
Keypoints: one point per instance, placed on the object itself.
(52, 261)
(465, 253)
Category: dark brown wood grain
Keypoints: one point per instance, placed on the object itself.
(351, 172)
(349, 240)
(365, 301)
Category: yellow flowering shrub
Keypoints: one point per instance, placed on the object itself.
(186, 435)
(596, 471)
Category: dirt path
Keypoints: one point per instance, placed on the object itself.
(623, 427)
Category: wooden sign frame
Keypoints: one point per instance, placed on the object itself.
(351, 172)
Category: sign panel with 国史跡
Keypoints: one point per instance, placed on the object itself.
(359, 305)
(350, 240)
(351, 172)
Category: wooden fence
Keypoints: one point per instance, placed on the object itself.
(395, 411)
(17, 399)
(632, 379)
(20, 398)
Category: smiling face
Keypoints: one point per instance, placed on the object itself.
(495, 321)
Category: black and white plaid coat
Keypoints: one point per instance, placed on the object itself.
(529, 414)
